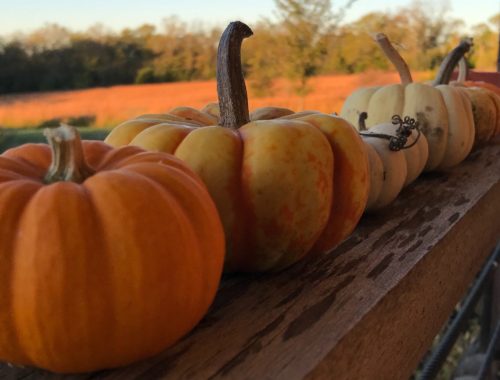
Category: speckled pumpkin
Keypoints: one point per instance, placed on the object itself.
(463, 78)
(284, 187)
(485, 100)
(443, 112)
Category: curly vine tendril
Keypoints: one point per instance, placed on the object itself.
(398, 142)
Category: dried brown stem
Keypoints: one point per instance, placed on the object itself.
(393, 55)
(231, 89)
(68, 162)
(362, 121)
(450, 62)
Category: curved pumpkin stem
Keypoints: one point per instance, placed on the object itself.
(393, 55)
(463, 70)
(231, 89)
(68, 162)
(362, 121)
(450, 62)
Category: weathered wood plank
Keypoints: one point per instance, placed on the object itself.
(368, 310)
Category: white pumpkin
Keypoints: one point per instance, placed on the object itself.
(392, 167)
(442, 112)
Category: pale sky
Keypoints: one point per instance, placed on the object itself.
(27, 15)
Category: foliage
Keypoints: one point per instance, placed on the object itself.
(83, 63)
(305, 25)
(305, 38)
(486, 42)
(262, 62)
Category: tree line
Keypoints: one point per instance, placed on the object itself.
(306, 38)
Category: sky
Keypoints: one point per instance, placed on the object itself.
(27, 15)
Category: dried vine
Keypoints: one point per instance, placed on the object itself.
(398, 142)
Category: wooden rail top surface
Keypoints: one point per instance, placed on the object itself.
(367, 310)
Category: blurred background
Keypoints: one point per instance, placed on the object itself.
(95, 64)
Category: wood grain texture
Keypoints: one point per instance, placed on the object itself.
(367, 310)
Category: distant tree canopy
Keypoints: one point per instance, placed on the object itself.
(81, 63)
(306, 38)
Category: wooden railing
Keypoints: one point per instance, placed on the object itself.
(368, 310)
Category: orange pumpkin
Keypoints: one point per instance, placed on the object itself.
(465, 78)
(485, 98)
(273, 181)
(485, 103)
(108, 255)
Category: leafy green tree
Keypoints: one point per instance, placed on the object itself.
(306, 38)
(422, 34)
(15, 73)
(145, 75)
(260, 58)
(433, 33)
(305, 25)
(352, 48)
(486, 44)
(48, 37)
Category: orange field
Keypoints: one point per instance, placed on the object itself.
(111, 105)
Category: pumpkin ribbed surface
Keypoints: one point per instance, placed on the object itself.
(104, 272)
(285, 184)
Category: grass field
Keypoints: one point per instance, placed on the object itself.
(107, 107)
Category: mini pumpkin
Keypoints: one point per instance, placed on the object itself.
(397, 154)
(463, 78)
(108, 255)
(273, 181)
(485, 102)
(443, 112)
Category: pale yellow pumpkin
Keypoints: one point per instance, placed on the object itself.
(283, 187)
(485, 104)
(391, 169)
(443, 112)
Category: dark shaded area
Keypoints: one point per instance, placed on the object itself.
(82, 64)
(10, 138)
